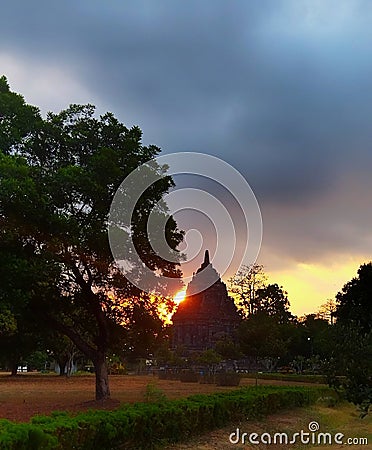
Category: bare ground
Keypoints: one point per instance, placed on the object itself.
(26, 395)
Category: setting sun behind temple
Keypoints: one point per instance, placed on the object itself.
(179, 297)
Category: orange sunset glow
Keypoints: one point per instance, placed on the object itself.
(179, 297)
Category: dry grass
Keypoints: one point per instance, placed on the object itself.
(25, 395)
(340, 419)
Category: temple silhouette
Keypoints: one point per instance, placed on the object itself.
(207, 314)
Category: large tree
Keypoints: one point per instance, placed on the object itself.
(353, 354)
(327, 311)
(245, 284)
(58, 178)
(354, 302)
(273, 301)
(260, 337)
(22, 275)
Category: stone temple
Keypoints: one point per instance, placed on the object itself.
(206, 315)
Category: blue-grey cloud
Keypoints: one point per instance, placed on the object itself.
(282, 90)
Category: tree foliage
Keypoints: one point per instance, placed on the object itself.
(259, 336)
(273, 301)
(327, 311)
(57, 180)
(245, 284)
(354, 302)
(353, 355)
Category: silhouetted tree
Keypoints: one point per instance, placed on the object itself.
(57, 178)
(353, 354)
(327, 311)
(245, 284)
(273, 301)
(354, 305)
(259, 336)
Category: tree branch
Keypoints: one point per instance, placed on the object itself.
(83, 346)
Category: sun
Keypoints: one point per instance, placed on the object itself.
(179, 297)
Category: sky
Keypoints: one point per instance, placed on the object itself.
(280, 89)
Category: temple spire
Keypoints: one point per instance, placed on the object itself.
(206, 258)
(206, 263)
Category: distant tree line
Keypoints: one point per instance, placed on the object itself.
(336, 341)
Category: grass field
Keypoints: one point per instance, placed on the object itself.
(26, 395)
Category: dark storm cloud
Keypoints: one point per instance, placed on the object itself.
(280, 89)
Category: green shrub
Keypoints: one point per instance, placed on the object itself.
(154, 394)
(228, 379)
(330, 401)
(162, 375)
(189, 377)
(321, 379)
(148, 425)
(207, 379)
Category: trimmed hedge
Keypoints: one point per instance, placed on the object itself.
(207, 379)
(302, 378)
(189, 377)
(147, 426)
(228, 379)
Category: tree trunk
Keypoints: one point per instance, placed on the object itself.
(102, 384)
(62, 366)
(98, 356)
(14, 369)
(70, 365)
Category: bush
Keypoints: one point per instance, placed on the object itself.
(162, 375)
(228, 379)
(168, 375)
(153, 394)
(189, 377)
(330, 401)
(207, 379)
(321, 379)
(147, 425)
